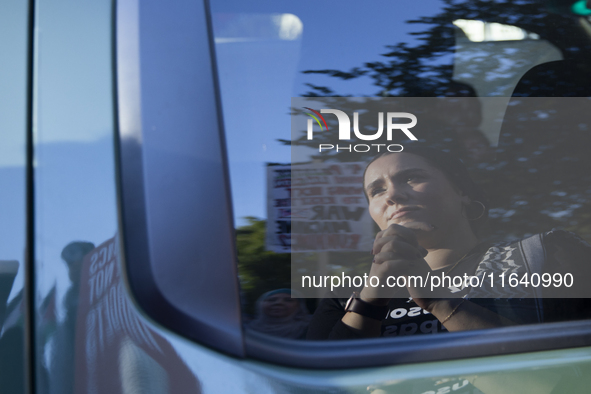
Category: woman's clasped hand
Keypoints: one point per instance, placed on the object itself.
(397, 253)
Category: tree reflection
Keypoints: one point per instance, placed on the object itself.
(538, 176)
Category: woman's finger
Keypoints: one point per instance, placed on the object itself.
(417, 225)
(392, 267)
(401, 231)
(379, 244)
(398, 247)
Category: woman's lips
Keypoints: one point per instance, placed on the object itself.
(402, 212)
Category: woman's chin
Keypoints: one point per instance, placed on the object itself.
(417, 225)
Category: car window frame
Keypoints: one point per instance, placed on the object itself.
(210, 312)
(215, 320)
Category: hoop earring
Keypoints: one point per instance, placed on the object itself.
(481, 213)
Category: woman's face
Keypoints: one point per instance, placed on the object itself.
(403, 188)
(280, 305)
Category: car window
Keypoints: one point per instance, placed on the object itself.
(499, 85)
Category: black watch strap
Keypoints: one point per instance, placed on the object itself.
(357, 305)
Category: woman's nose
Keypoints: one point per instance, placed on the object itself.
(396, 195)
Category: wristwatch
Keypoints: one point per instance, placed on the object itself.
(357, 305)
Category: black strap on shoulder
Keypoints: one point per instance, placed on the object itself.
(534, 255)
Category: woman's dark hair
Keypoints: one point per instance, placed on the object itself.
(457, 174)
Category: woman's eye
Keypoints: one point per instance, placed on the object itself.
(376, 191)
(413, 178)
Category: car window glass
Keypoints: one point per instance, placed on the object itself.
(488, 56)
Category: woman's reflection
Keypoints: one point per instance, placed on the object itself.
(278, 314)
(430, 213)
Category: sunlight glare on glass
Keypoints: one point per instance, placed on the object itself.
(230, 28)
(479, 31)
(290, 26)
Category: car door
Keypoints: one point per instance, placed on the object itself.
(148, 153)
(15, 273)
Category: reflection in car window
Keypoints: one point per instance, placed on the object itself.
(523, 151)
